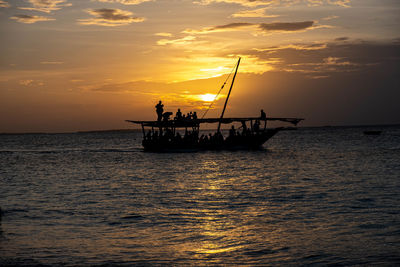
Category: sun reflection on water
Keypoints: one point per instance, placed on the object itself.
(216, 225)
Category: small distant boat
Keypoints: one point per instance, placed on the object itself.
(372, 132)
(163, 135)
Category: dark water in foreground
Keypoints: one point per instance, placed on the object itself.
(313, 196)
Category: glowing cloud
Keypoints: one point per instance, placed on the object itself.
(4, 4)
(253, 3)
(221, 28)
(180, 41)
(163, 34)
(26, 82)
(261, 27)
(51, 62)
(254, 13)
(110, 17)
(29, 82)
(27, 19)
(46, 6)
(326, 65)
(248, 3)
(125, 2)
(336, 61)
(343, 3)
(331, 17)
(200, 67)
(305, 47)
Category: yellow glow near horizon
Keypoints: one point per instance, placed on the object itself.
(200, 67)
(207, 97)
(202, 101)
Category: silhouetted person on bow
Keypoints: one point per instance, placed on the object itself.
(263, 115)
(159, 111)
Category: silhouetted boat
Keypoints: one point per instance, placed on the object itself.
(164, 135)
(372, 132)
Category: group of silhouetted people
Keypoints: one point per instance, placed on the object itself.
(189, 116)
(170, 136)
(189, 138)
(167, 136)
(179, 116)
(164, 116)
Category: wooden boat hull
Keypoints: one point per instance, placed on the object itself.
(251, 142)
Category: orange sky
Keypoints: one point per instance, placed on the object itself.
(85, 65)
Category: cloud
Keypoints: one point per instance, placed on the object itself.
(277, 3)
(315, 77)
(110, 17)
(125, 2)
(330, 64)
(30, 82)
(46, 6)
(304, 47)
(254, 13)
(263, 27)
(325, 58)
(181, 41)
(4, 4)
(286, 26)
(28, 19)
(330, 17)
(143, 87)
(51, 62)
(220, 28)
(336, 61)
(340, 39)
(343, 3)
(26, 82)
(163, 34)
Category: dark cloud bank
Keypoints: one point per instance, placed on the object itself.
(365, 90)
(264, 27)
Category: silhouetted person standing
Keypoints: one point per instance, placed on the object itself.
(263, 115)
(159, 110)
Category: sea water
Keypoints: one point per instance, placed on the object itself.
(323, 196)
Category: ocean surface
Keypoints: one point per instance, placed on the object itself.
(315, 196)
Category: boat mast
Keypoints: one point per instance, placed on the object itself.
(229, 93)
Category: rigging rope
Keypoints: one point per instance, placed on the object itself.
(216, 96)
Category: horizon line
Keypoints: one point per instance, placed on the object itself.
(139, 130)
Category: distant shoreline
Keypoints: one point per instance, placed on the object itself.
(139, 130)
(79, 132)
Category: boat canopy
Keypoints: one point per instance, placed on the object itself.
(197, 122)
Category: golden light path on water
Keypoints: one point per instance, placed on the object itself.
(106, 202)
(220, 231)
